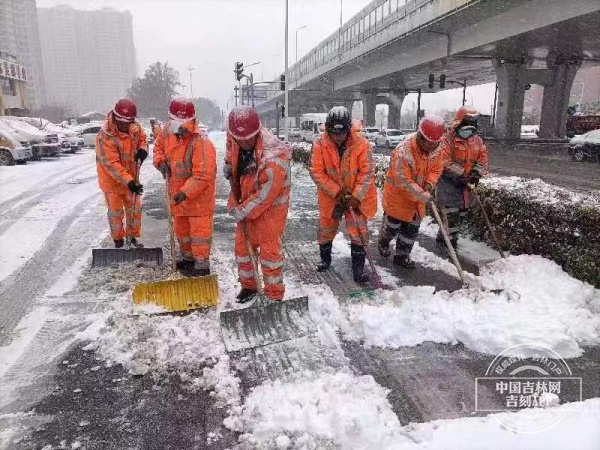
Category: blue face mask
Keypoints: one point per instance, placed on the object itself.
(465, 132)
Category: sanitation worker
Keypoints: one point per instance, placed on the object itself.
(257, 164)
(121, 146)
(415, 167)
(187, 158)
(342, 168)
(465, 162)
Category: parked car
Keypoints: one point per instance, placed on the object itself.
(585, 147)
(11, 149)
(88, 132)
(295, 132)
(43, 144)
(389, 138)
(581, 124)
(70, 142)
(370, 133)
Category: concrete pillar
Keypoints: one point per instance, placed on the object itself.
(511, 78)
(369, 102)
(395, 106)
(553, 122)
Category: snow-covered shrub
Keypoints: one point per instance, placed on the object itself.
(533, 217)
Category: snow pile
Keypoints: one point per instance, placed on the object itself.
(541, 304)
(320, 411)
(165, 346)
(541, 192)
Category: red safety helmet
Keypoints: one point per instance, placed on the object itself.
(125, 110)
(243, 123)
(182, 108)
(432, 128)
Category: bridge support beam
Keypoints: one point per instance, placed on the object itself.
(369, 102)
(555, 102)
(395, 106)
(511, 95)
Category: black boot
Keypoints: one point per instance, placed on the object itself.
(185, 264)
(136, 244)
(246, 295)
(358, 263)
(384, 248)
(404, 260)
(193, 272)
(119, 243)
(325, 252)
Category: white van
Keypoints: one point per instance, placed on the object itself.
(11, 149)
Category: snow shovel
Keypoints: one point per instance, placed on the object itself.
(473, 188)
(177, 295)
(104, 257)
(377, 279)
(266, 321)
(452, 252)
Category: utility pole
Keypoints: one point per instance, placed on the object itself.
(418, 109)
(190, 70)
(277, 118)
(252, 88)
(287, 77)
(464, 92)
(236, 95)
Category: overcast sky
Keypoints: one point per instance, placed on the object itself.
(212, 35)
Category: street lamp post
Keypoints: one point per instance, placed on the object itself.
(287, 78)
(301, 28)
(190, 70)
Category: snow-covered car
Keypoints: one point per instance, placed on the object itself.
(295, 132)
(42, 143)
(88, 132)
(70, 142)
(585, 146)
(11, 149)
(370, 133)
(389, 138)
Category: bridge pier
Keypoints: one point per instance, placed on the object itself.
(395, 106)
(553, 122)
(511, 78)
(369, 102)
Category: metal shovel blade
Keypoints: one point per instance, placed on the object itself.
(105, 257)
(266, 322)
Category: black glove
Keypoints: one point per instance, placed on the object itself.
(463, 180)
(474, 177)
(164, 169)
(135, 187)
(179, 197)
(141, 155)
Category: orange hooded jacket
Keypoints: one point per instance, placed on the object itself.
(115, 155)
(265, 188)
(193, 163)
(410, 168)
(355, 172)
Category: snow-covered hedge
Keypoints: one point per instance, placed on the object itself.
(534, 217)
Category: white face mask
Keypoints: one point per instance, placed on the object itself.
(176, 126)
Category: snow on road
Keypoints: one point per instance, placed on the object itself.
(331, 408)
(541, 303)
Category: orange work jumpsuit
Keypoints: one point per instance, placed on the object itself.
(192, 160)
(354, 171)
(116, 167)
(263, 208)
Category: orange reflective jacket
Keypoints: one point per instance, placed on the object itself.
(463, 155)
(193, 162)
(355, 172)
(403, 190)
(264, 186)
(115, 154)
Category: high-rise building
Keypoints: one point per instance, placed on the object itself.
(88, 56)
(19, 36)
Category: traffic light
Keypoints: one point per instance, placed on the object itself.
(282, 83)
(431, 80)
(239, 70)
(283, 111)
(442, 81)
